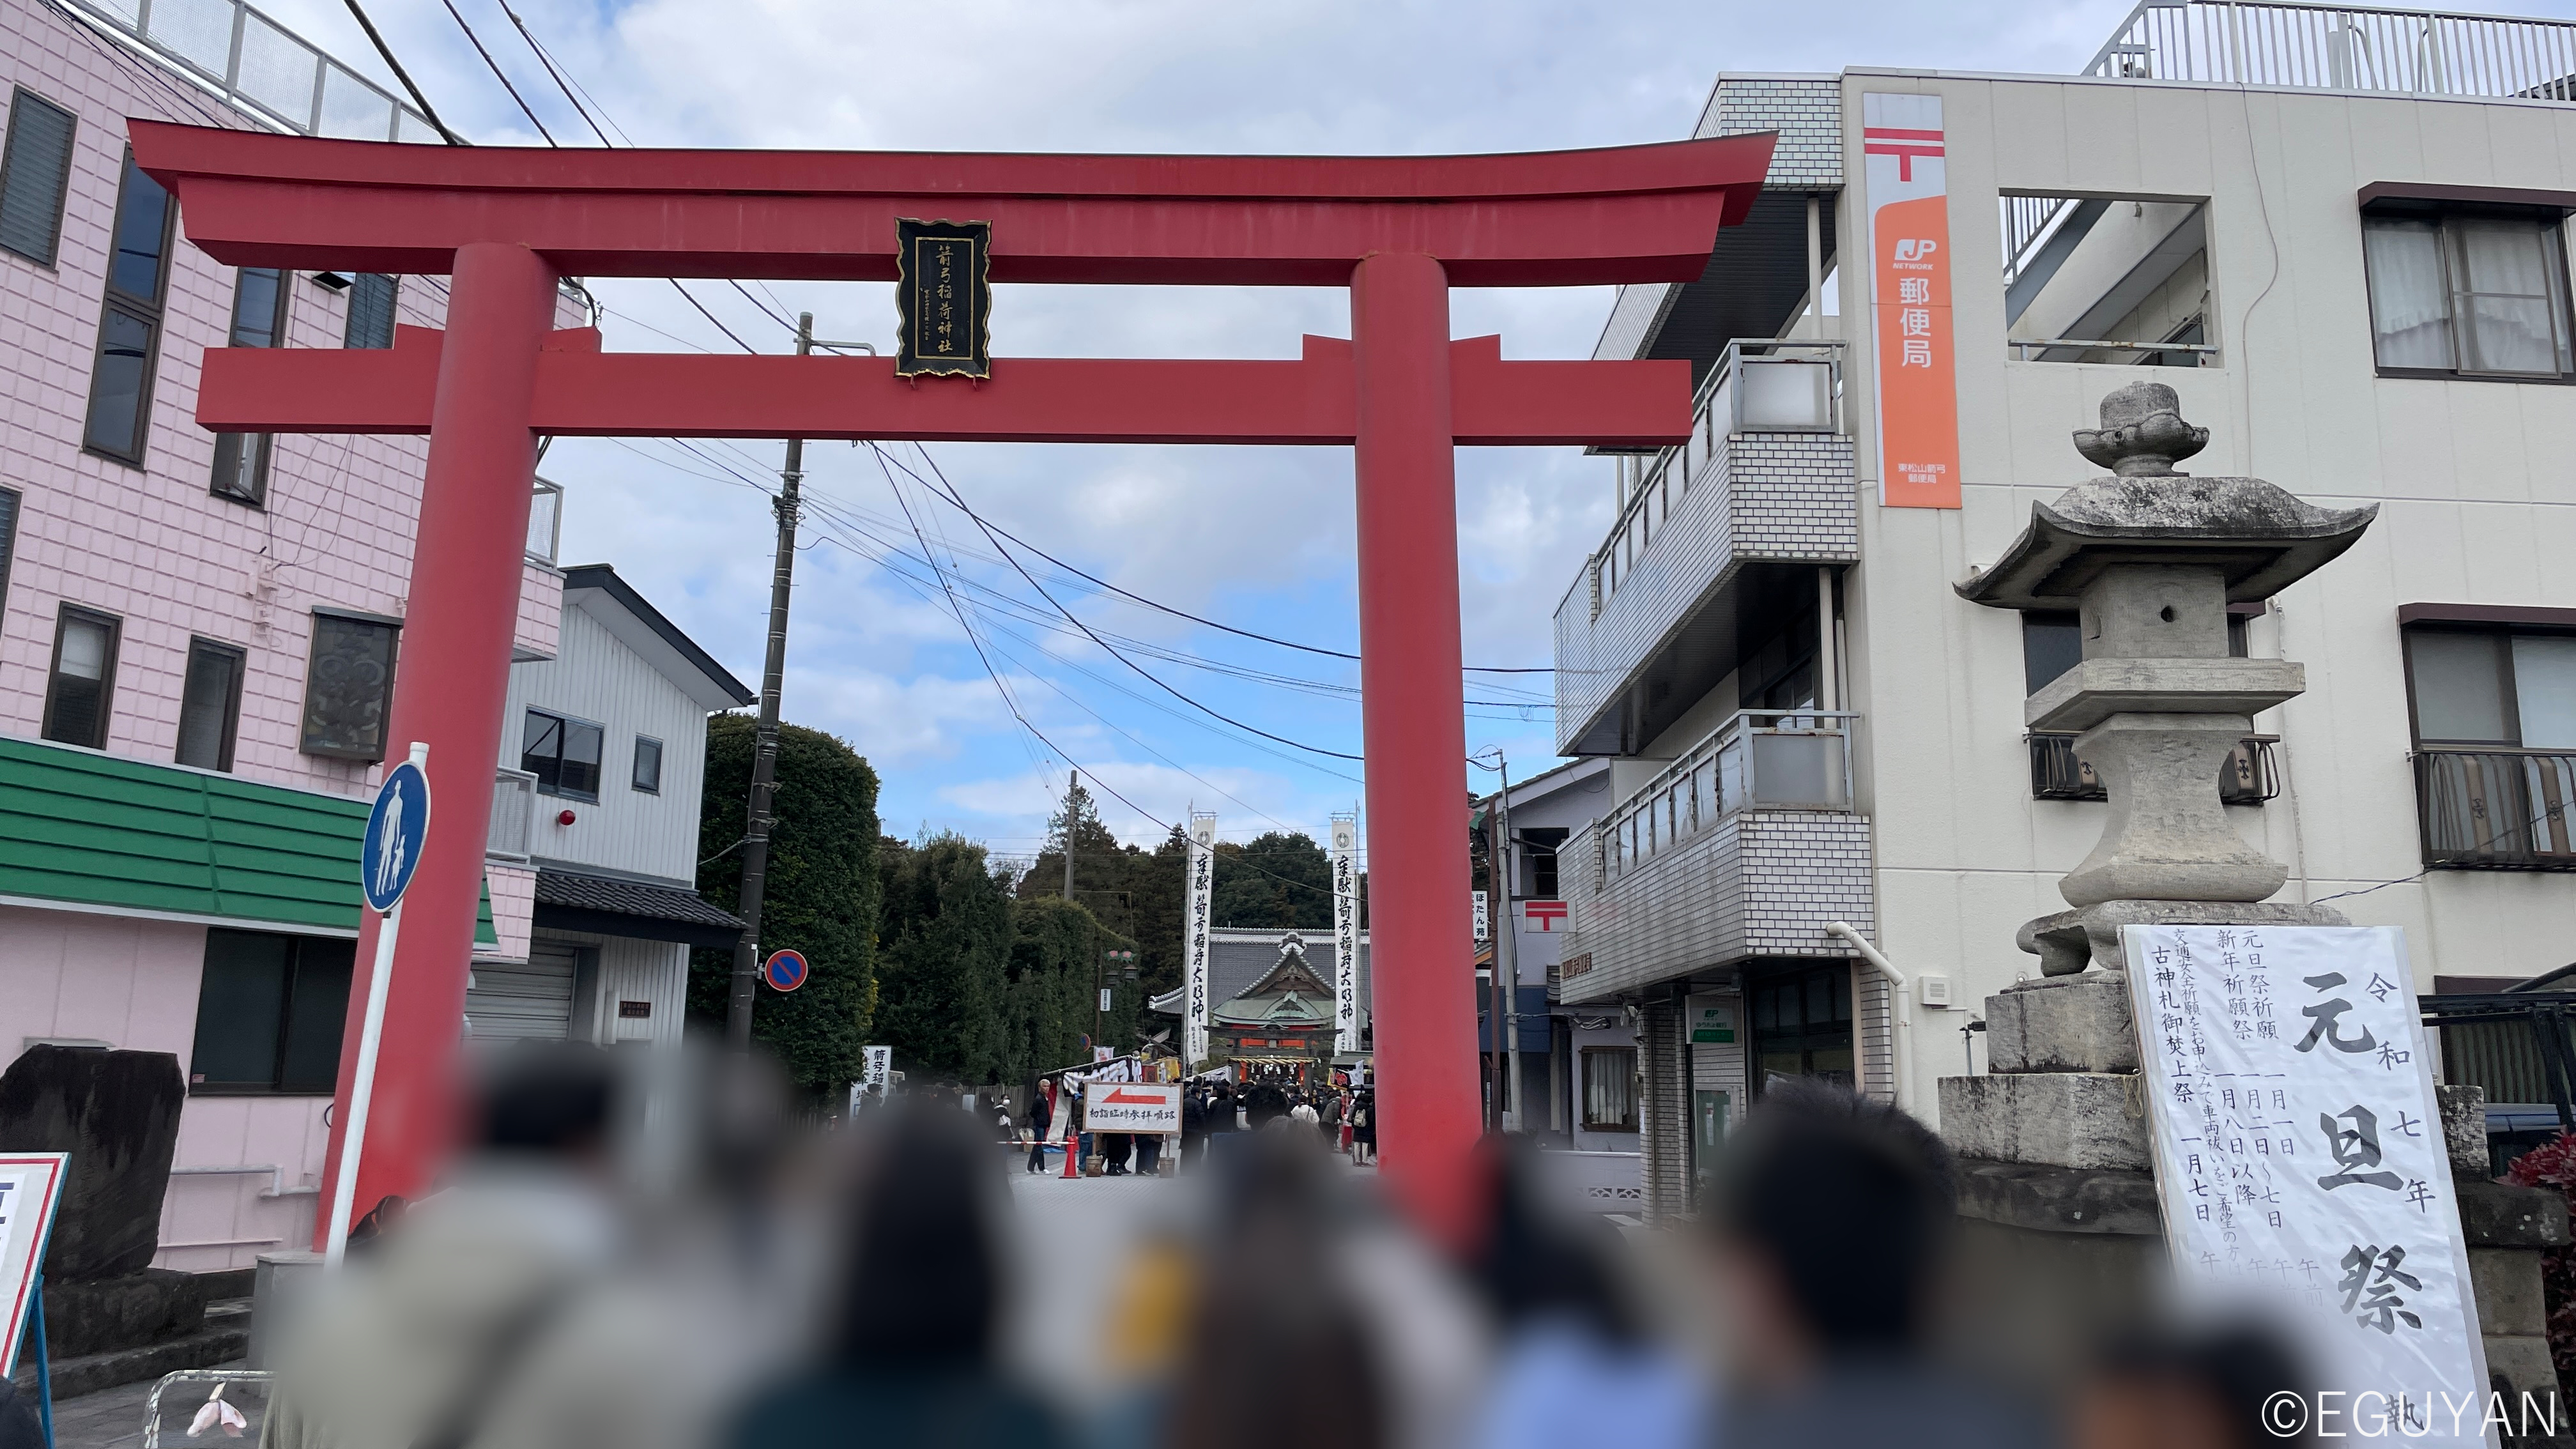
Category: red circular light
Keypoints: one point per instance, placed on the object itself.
(565, 818)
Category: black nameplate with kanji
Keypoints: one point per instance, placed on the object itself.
(943, 298)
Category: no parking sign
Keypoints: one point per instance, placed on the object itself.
(784, 970)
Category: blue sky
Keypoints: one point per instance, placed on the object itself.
(1258, 538)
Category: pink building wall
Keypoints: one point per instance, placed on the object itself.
(153, 546)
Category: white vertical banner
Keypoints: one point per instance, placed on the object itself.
(2301, 1167)
(1346, 935)
(1194, 934)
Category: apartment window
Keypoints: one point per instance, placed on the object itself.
(648, 765)
(269, 1014)
(1610, 1089)
(563, 754)
(371, 311)
(349, 685)
(1802, 1024)
(1541, 844)
(210, 705)
(2502, 688)
(83, 683)
(35, 174)
(259, 320)
(129, 325)
(2467, 293)
(9, 504)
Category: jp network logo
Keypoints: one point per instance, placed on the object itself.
(1916, 249)
(2370, 1414)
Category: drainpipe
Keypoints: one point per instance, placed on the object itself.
(1901, 1039)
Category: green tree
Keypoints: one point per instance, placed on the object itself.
(820, 895)
(945, 956)
(1057, 964)
(1281, 880)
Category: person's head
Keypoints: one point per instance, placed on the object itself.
(1831, 1214)
(2188, 1390)
(925, 1277)
(551, 1102)
(1539, 1261)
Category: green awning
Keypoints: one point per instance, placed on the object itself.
(94, 830)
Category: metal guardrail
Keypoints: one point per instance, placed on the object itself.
(2496, 809)
(2411, 52)
(2193, 350)
(261, 67)
(1776, 759)
(2547, 1015)
(2248, 778)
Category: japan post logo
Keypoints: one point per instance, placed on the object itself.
(1916, 249)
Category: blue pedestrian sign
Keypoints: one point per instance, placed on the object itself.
(396, 829)
(784, 970)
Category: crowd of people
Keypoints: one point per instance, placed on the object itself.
(701, 1274)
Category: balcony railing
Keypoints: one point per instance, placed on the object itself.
(514, 814)
(260, 67)
(1760, 759)
(1758, 386)
(2496, 809)
(2411, 52)
(2248, 777)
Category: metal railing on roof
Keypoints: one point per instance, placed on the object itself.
(261, 67)
(2410, 52)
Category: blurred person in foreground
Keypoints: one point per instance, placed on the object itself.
(915, 1360)
(1577, 1361)
(1315, 1319)
(1831, 1221)
(423, 1343)
(2197, 1389)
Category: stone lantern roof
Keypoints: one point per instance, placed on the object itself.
(2261, 537)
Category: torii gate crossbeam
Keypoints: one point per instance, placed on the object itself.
(508, 223)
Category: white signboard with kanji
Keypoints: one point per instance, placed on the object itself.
(1346, 935)
(2300, 1161)
(1196, 1006)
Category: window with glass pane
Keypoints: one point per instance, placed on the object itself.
(2051, 644)
(269, 1013)
(9, 502)
(35, 175)
(2492, 687)
(2473, 293)
(562, 753)
(138, 274)
(83, 683)
(259, 320)
(210, 705)
(648, 765)
(241, 467)
(1802, 1024)
(1610, 1089)
(371, 311)
(349, 686)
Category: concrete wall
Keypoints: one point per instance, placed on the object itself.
(2478, 505)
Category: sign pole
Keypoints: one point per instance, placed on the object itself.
(362, 1090)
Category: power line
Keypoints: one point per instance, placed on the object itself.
(400, 74)
(497, 73)
(1071, 618)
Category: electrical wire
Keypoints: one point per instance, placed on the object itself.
(497, 73)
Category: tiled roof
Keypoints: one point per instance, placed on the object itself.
(628, 898)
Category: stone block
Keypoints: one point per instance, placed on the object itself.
(98, 1315)
(2062, 1024)
(2069, 941)
(2032, 1197)
(117, 1114)
(2464, 1130)
(2062, 1119)
(2507, 1284)
(2522, 1362)
(2501, 1215)
(2096, 689)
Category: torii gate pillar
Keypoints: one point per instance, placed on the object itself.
(1412, 717)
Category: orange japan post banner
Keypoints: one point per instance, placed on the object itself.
(1905, 165)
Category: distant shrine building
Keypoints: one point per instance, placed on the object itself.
(1274, 998)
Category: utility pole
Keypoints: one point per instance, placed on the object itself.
(1507, 946)
(1072, 783)
(764, 753)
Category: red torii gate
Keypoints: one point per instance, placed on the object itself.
(506, 224)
